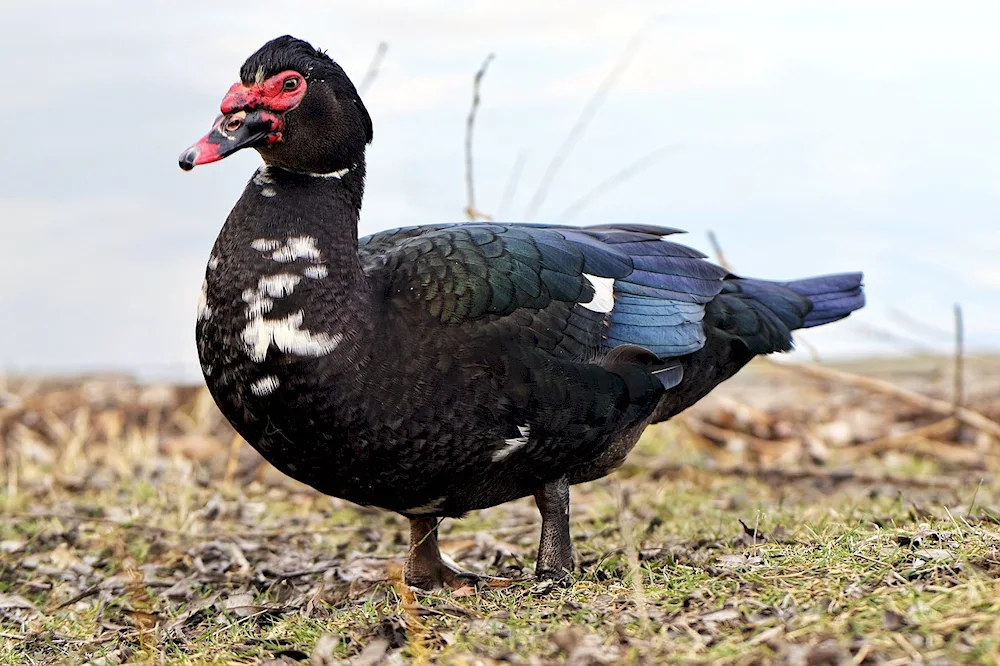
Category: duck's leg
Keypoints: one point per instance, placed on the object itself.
(555, 550)
(424, 567)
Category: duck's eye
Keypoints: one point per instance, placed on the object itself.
(234, 124)
(291, 83)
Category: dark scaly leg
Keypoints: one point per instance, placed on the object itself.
(555, 550)
(425, 568)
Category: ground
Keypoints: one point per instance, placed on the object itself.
(788, 519)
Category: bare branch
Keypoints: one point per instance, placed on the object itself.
(374, 67)
(580, 126)
(779, 476)
(926, 330)
(470, 209)
(512, 182)
(904, 342)
(717, 249)
(623, 176)
(963, 414)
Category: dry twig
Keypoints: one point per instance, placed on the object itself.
(373, 68)
(807, 473)
(512, 182)
(470, 209)
(899, 441)
(580, 126)
(629, 172)
(943, 407)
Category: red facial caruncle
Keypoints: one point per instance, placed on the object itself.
(281, 92)
(251, 116)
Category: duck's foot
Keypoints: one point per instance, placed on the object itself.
(426, 569)
(555, 550)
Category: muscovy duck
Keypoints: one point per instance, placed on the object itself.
(434, 370)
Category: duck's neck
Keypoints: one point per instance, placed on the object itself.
(286, 205)
(291, 243)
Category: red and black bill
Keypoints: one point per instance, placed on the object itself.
(251, 116)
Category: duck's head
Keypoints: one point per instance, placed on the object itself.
(295, 106)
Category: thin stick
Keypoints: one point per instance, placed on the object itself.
(959, 358)
(470, 209)
(972, 504)
(943, 407)
(582, 121)
(925, 329)
(715, 432)
(623, 176)
(411, 612)
(936, 429)
(232, 461)
(374, 67)
(805, 474)
(512, 182)
(627, 531)
(166, 531)
(717, 250)
(911, 345)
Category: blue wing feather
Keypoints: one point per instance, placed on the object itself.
(660, 288)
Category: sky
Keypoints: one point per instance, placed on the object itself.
(810, 137)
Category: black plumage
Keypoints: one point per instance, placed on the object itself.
(439, 369)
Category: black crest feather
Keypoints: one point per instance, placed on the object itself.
(287, 52)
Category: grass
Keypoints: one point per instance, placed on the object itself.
(160, 566)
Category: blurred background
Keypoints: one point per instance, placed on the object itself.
(810, 137)
(844, 512)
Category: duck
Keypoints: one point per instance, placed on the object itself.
(445, 368)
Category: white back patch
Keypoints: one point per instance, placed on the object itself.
(265, 385)
(213, 262)
(604, 294)
(513, 444)
(286, 335)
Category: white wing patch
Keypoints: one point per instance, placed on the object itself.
(265, 385)
(513, 444)
(604, 294)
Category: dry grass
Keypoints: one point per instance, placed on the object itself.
(742, 536)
